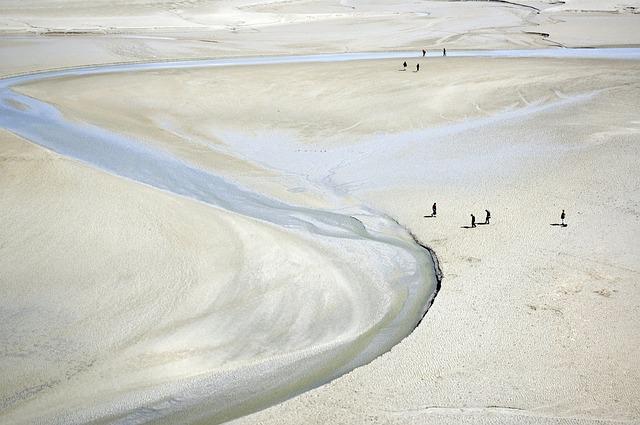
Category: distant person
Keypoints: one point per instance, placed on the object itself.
(488, 217)
(404, 65)
(444, 52)
(433, 209)
(562, 217)
(424, 52)
(473, 220)
(417, 67)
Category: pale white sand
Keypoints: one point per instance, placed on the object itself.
(119, 301)
(102, 31)
(534, 324)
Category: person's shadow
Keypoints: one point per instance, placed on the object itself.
(559, 224)
(429, 216)
(467, 227)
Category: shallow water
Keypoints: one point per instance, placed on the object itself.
(409, 268)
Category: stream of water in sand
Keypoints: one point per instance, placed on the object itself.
(410, 269)
(44, 125)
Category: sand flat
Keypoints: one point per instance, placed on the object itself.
(563, 136)
(116, 295)
(48, 34)
(246, 123)
(376, 311)
(535, 323)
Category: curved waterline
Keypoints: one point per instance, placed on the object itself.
(629, 53)
(43, 124)
(409, 268)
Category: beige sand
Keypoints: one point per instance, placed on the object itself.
(37, 34)
(115, 295)
(535, 323)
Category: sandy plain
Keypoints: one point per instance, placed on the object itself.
(40, 34)
(535, 324)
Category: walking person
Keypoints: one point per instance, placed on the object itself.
(417, 67)
(562, 217)
(473, 220)
(404, 65)
(444, 52)
(433, 210)
(424, 52)
(486, 220)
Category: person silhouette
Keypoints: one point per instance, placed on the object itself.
(444, 52)
(424, 52)
(404, 65)
(417, 67)
(486, 220)
(473, 220)
(562, 217)
(433, 210)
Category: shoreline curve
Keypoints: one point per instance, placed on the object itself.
(42, 124)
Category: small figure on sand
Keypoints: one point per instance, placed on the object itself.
(417, 67)
(486, 219)
(473, 220)
(404, 65)
(433, 210)
(424, 52)
(562, 217)
(444, 52)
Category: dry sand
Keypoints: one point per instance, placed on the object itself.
(116, 296)
(37, 34)
(535, 323)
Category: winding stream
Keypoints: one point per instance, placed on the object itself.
(205, 396)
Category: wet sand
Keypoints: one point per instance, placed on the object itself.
(535, 323)
(522, 153)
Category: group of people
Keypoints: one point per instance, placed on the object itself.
(404, 66)
(486, 219)
(424, 53)
(434, 210)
